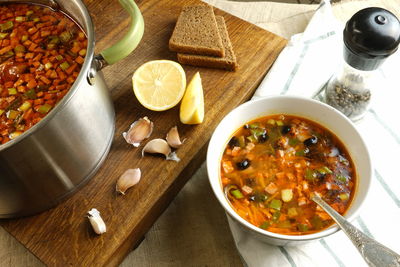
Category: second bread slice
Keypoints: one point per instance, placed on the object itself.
(227, 62)
(196, 32)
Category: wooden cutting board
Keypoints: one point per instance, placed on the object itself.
(62, 236)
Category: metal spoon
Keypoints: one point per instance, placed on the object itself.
(374, 253)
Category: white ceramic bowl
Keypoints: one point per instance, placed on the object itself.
(303, 107)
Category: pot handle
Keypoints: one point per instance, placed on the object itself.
(129, 42)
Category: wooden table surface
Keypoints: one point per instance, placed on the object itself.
(62, 236)
(193, 230)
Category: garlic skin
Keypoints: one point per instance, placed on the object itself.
(160, 146)
(128, 179)
(138, 131)
(96, 221)
(173, 139)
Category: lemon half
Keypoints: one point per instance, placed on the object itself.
(159, 84)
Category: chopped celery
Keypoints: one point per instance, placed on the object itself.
(292, 212)
(8, 54)
(276, 216)
(344, 196)
(59, 57)
(242, 141)
(341, 178)
(3, 35)
(254, 125)
(279, 123)
(64, 65)
(237, 194)
(324, 170)
(29, 12)
(48, 65)
(271, 121)
(12, 114)
(82, 52)
(257, 132)
(252, 138)
(302, 227)
(19, 19)
(51, 46)
(1, 111)
(284, 224)
(265, 225)
(44, 108)
(25, 106)
(65, 36)
(6, 26)
(19, 49)
(24, 38)
(275, 204)
(293, 141)
(316, 222)
(310, 175)
(54, 40)
(14, 135)
(12, 91)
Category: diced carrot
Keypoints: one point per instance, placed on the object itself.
(31, 84)
(32, 47)
(5, 49)
(45, 80)
(70, 80)
(71, 68)
(75, 49)
(79, 60)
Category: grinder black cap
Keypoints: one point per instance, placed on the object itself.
(370, 36)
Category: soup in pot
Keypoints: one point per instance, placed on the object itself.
(41, 54)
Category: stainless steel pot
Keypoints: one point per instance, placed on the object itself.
(55, 157)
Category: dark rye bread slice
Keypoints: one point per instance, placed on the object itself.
(227, 62)
(196, 32)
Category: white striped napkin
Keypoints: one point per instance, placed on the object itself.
(303, 68)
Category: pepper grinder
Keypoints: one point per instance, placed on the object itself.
(370, 36)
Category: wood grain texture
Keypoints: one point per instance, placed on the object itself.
(62, 236)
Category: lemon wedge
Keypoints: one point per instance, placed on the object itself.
(192, 106)
(159, 84)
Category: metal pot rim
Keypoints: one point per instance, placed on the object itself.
(81, 78)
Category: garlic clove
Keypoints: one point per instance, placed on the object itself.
(160, 146)
(138, 131)
(128, 179)
(173, 156)
(157, 146)
(173, 139)
(96, 221)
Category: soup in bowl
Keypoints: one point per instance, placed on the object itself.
(269, 155)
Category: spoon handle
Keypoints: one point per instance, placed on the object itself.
(374, 253)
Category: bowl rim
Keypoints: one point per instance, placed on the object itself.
(228, 207)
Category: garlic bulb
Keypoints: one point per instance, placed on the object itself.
(160, 146)
(96, 221)
(173, 139)
(138, 131)
(128, 179)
